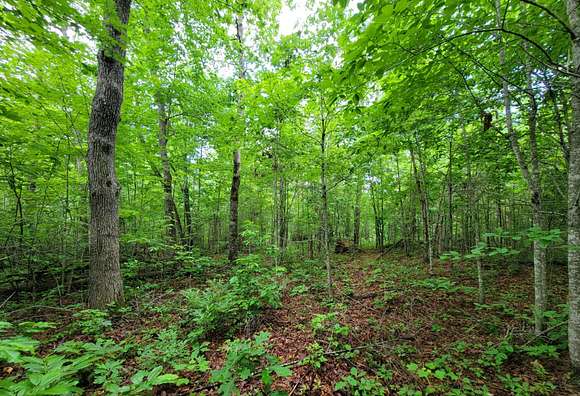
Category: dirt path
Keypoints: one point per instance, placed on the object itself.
(401, 319)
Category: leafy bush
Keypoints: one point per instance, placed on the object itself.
(92, 322)
(246, 358)
(60, 373)
(298, 290)
(496, 355)
(227, 305)
(171, 351)
(357, 383)
(315, 357)
(542, 350)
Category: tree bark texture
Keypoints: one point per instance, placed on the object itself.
(234, 193)
(573, 7)
(105, 281)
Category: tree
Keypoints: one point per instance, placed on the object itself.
(105, 281)
(574, 196)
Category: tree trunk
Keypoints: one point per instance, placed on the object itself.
(234, 239)
(105, 281)
(574, 198)
(449, 233)
(532, 179)
(174, 230)
(356, 232)
(234, 193)
(419, 179)
(324, 202)
(187, 212)
(404, 226)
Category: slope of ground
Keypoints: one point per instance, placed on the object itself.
(389, 329)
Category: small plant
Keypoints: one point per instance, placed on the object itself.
(496, 355)
(244, 359)
(357, 383)
(542, 350)
(443, 284)
(229, 305)
(405, 349)
(299, 290)
(92, 322)
(171, 351)
(315, 357)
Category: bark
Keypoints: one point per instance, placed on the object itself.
(324, 202)
(105, 281)
(532, 178)
(419, 179)
(174, 230)
(282, 218)
(356, 231)
(559, 123)
(234, 239)
(234, 194)
(449, 234)
(573, 7)
(404, 226)
(187, 212)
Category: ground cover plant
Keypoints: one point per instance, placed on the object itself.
(265, 197)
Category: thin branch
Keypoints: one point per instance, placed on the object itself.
(553, 15)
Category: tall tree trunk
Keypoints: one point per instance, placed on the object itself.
(282, 219)
(324, 201)
(404, 226)
(234, 193)
(574, 198)
(419, 179)
(105, 281)
(356, 231)
(187, 212)
(532, 179)
(173, 223)
(449, 233)
(234, 239)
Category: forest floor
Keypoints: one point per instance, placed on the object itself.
(390, 329)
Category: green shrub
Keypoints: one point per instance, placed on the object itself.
(59, 373)
(357, 383)
(246, 358)
(91, 322)
(171, 351)
(228, 305)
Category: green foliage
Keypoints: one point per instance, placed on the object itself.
(443, 284)
(169, 350)
(496, 355)
(224, 306)
(91, 322)
(520, 387)
(542, 350)
(315, 356)
(404, 350)
(436, 369)
(247, 358)
(299, 290)
(357, 383)
(60, 373)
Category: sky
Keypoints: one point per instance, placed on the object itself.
(292, 19)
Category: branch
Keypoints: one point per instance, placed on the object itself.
(567, 28)
(556, 66)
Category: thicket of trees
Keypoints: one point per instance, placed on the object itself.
(451, 128)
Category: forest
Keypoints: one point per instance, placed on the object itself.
(306, 197)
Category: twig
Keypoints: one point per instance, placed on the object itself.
(7, 299)
(544, 332)
(293, 389)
